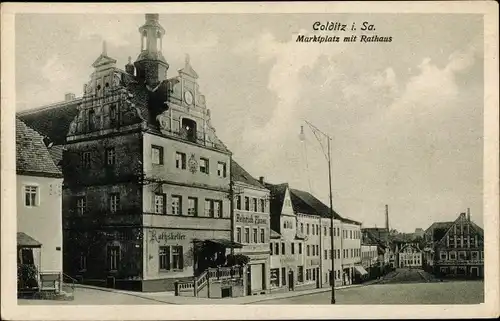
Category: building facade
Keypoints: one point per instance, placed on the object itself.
(252, 227)
(410, 256)
(39, 200)
(460, 251)
(147, 182)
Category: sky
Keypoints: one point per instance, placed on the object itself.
(405, 117)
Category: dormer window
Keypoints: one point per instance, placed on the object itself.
(189, 129)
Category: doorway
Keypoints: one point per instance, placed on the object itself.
(291, 283)
(318, 282)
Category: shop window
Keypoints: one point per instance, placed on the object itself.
(110, 156)
(160, 200)
(313, 274)
(275, 277)
(113, 257)
(157, 155)
(177, 258)
(300, 274)
(176, 205)
(204, 165)
(180, 160)
(283, 276)
(192, 206)
(164, 257)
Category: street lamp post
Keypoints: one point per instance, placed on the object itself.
(328, 158)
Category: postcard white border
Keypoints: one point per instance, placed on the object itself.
(10, 309)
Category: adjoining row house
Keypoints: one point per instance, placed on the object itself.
(374, 254)
(39, 184)
(455, 249)
(410, 256)
(301, 246)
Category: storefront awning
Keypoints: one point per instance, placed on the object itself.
(226, 243)
(361, 270)
(24, 240)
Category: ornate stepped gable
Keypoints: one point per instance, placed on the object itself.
(469, 228)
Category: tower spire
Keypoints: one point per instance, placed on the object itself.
(104, 48)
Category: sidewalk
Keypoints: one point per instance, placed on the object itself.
(170, 298)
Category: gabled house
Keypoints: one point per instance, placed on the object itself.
(459, 252)
(39, 202)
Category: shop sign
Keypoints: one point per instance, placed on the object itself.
(287, 259)
(250, 219)
(166, 236)
(314, 262)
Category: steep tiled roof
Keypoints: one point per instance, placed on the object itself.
(277, 197)
(24, 240)
(439, 225)
(306, 203)
(32, 156)
(52, 121)
(370, 239)
(239, 174)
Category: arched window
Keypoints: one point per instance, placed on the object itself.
(189, 129)
(91, 120)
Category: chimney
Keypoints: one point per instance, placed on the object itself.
(468, 214)
(69, 97)
(387, 217)
(261, 179)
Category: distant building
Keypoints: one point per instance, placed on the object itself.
(410, 255)
(39, 203)
(459, 251)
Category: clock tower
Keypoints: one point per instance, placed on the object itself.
(151, 66)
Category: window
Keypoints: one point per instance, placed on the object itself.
(326, 254)
(462, 255)
(112, 115)
(255, 235)
(113, 257)
(313, 275)
(160, 203)
(474, 255)
(317, 229)
(313, 250)
(453, 255)
(254, 204)
(247, 203)
(83, 262)
(283, 276)
(164, 257)
(352, 253)
(81, 205)
(238, 202)
(307, 229)
(30, 195)
(156, 155)
(308, 274)
(313, 229)
(262, 205)
(204, 165)
(213, 208)
(270, 247)
(221, 169)
(317, 249)
(302, 228)
(176, 205)
(192, 206)
(275, 277)
(293, 248)
(85, 160)
(300, 274)
(324, 231)
(238, 235)
(300, 248)
(247, 235)
(262, 236)
(338, 253)
(276, 248)
(177, 258)
(114, 202)
(282, 248)
(91, 120)
(308, 250)
(110, 156)
(331, 254)
(180, 160)
(217, 208)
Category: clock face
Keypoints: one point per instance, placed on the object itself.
(188, 97)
